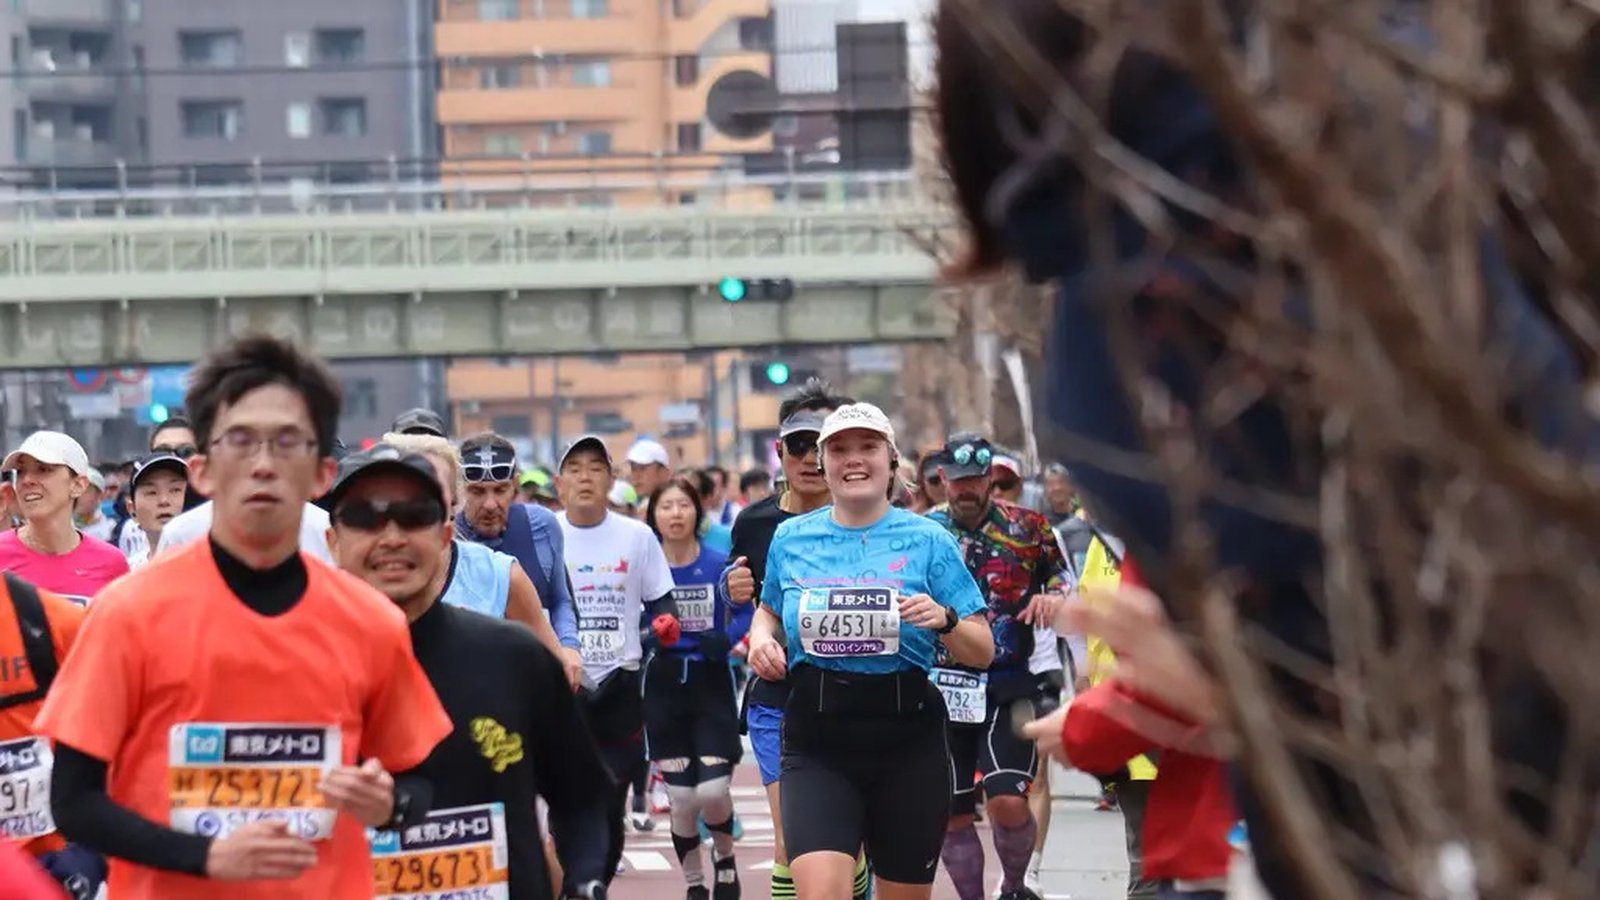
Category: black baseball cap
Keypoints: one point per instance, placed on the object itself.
(802, 421)
(154, 461)
(419, 421)
(966, 454)
(377, 460)
(587, 442)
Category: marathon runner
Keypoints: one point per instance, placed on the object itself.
(233, 711)
(160, 482)
(527, 532)
(617, 569)
(1012, 554)
(48, 474)
(518, 730)
(175, 436)
(472, 575)
(691, 717)
(800, 418)
(37, 628)
(864, 592)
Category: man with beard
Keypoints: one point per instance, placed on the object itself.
(528, 532)
(518, 730)
(1013, 556)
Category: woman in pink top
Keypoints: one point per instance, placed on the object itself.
(45, 477)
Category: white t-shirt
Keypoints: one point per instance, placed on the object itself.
(616, 567)
(196, 523)
(100, 528)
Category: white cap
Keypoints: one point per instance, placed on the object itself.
(97, 480)
(852, 416)
(647, 451)
(53, 449)
(1006, 462)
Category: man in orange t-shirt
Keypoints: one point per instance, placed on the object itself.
(234, 711)
(37, 629)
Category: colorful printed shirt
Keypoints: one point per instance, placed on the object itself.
(1013, 555)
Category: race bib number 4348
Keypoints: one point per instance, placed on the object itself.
(226, 775)
(857, 621)
(459, 852)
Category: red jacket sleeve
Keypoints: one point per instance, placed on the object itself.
(1108, 725)
(22, 879)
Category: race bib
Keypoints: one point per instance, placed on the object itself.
(25, 789)
(224, 776)
(453, 853)
(696, 607)
(857, 621)
(600, 640)
(966, 695)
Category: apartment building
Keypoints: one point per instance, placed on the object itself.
(68, 99)
(571, 88)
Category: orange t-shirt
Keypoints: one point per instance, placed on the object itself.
(16, 678)
(171, 645)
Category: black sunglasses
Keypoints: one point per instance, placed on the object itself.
(1004, 485)
(481, 474)
(375, 515)
(800, 443)
(181, 451)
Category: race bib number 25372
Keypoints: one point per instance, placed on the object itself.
(854, 621)
(222, 776)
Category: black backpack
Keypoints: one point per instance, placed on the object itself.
(36, 641)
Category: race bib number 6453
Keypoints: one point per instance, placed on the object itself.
(853, 621)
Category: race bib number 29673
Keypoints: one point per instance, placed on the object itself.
(459, 852)
(854, 621)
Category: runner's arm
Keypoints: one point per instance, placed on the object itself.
(573, 779)
(739, 615)
(563, 613)
(86, 814)
(522, 605)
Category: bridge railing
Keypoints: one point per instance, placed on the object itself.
(393, 185)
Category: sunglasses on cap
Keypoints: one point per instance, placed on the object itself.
(181, 451)
(477, 473)
(967, 454)
(375, 515)
(800, 443)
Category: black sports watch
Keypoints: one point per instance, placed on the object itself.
(951, 620)
(402, 809)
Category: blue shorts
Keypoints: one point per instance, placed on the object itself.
(765, 726)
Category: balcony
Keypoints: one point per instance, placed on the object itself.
(96, 12)
(688, 33)
(512, 107)
(516, 38)
(68, 83)
(70, 152)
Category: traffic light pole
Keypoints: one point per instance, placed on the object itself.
(714, 410)
(738, 437)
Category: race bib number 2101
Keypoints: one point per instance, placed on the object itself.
(857, 621)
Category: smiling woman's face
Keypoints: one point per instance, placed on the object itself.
(856, 464)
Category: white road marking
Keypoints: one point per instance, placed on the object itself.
(745, 793)
(764, 867)
(646, 861)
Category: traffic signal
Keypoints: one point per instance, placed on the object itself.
(778, 372)
(159, 413)
(771, 290)
(770, 376)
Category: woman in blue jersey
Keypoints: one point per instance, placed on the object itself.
(691, 717)
(862, 592)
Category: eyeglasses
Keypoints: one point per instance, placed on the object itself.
(242, 443)
(800, 443)
(1006, 484)
(481, 474)
(181, 451)
(967, 454)
(375, 515)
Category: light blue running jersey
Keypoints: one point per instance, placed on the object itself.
(833, 588)
(480, 580)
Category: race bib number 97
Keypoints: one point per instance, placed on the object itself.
(221, 777)
(859, 621)
(458, 852)
(25, 789)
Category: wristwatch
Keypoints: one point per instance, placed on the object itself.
(951, 620)
(402, 809)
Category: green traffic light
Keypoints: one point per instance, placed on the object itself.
(732, 289)
(778, 373)
(159, 413)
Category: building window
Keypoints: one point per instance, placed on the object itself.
(511, 426)
(689, 137)
(755, 34)
(594, 143)
(19, 133)
(588, 9)
(341, 45)
(299, 116)
(606, 422)
(591, 72)
(211, 49)
(143, 128)
(685, 70)
(213, 118)
(502, 143)
(361, 398)
(138, 65)
(297, 50)
(135, 10)
(497, 10)
(344, 116)
(499, 75)
(785, 126)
